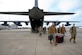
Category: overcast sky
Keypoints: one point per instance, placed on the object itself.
(48, 5)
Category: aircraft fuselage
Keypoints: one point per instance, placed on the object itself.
(36, 17)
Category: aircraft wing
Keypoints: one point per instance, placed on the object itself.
(14, 21)
(18, 23)
(57, 13)
(15, 13)
(58, 22)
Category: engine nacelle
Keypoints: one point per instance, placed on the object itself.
(5, 24)
(67, 24)
(47, 23)
(18, 23)
(56, 23)
(26, 23)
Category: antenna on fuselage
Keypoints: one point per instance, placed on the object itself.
(36, 3)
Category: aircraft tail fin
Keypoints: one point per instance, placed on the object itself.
(36, 3)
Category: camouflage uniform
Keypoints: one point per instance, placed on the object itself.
(73, 33)
(59, 30)
(63, 30)
(52, 31)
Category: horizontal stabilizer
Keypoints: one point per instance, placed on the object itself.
(15, 13)
(57, 13)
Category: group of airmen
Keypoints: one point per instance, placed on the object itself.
(52, 30)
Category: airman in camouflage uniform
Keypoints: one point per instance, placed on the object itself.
(52, 31)
(73, 33)
(63, 30)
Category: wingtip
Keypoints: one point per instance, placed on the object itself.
(73, 13)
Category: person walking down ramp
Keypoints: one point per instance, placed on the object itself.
(40, 31)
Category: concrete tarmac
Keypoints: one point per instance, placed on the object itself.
(23, 42)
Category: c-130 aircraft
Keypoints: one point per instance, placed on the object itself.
(36, 17)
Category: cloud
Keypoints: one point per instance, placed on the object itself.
(66, 5)
(45, 4)
(23, 5)
(16, 5)
(74, 17)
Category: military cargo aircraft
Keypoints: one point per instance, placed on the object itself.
(36, 17)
